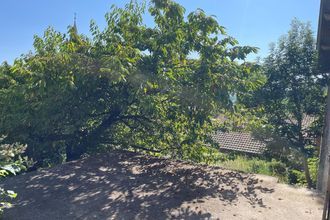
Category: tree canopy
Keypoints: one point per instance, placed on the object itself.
(127, 86)
(293, 98)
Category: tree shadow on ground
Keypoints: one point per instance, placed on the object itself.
(125, 185)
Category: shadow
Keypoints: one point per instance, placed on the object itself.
(126, 185)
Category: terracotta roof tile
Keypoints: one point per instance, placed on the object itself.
(239, 141)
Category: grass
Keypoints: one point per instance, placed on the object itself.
(248, 164)
(270, 167)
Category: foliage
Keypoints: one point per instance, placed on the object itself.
(292, 96)
(250, 164)
(11, 163)
(313, 164)
(298, 177)
(285, 171)
(127, 86)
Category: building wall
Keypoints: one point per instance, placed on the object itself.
(323, 43)
(324, 166)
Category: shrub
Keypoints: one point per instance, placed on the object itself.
(296, 177)
(313, 164)
(11, 163)
(279, 169)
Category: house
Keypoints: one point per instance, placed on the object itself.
(242, 142)
(246, 142)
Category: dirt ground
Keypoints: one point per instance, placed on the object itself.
(125, 185)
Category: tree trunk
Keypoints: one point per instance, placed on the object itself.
(74, 151)
(307, 173)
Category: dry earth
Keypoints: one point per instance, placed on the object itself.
(125, 185)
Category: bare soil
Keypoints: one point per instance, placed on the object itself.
(125, 185)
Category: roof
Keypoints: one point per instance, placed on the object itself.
(239, 141)
(307, 121)
(323, 39)
(245, 142)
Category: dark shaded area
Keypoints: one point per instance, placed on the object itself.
(323, 36)
(125, 185)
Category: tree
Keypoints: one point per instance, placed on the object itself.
(128, 86)
(293, 95)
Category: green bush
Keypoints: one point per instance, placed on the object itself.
(11, 163)
(313, 164)
(296, 177)
(287, 171)
(5, 195)
(279, 169)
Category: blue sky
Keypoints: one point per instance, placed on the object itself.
(252, 22)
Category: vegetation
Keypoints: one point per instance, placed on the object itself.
(287, 171)
(11, 163)
(158, 89)
(273, 167)
(127, 86)
(292, 99)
